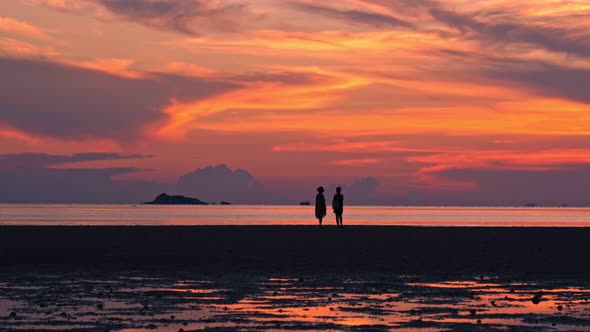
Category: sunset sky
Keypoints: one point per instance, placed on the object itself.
(400, 101)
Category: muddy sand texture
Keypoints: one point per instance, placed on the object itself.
(424, 250)
(162, 302)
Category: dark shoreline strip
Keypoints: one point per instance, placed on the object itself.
(532, 251)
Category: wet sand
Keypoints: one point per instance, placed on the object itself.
(161, 301)
(185, 278)
(532, 252)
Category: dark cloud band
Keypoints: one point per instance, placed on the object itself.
(49, 99)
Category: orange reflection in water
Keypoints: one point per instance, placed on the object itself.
(490, 301)
(317, 302)
(118, 215)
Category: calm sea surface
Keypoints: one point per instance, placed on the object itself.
(54, 214)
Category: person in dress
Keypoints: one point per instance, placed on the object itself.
(338, 206)
(320, 205)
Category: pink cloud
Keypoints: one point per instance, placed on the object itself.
(356, 162)
(21, 28)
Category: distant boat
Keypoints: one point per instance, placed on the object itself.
(225, 203)
(304, 203)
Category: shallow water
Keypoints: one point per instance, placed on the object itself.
(39, 214)
(151, 301)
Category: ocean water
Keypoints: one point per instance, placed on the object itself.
(80, 214)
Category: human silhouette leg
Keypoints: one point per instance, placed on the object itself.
(338, 214)
(320, 219)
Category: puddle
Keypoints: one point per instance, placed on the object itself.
(138, 301)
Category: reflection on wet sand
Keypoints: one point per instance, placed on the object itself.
(132, 302)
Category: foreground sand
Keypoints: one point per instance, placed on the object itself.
(294, 278)
(165, 300)
(534, 252)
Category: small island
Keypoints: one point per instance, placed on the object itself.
(165, 199)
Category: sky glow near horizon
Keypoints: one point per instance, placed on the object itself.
(418, 102)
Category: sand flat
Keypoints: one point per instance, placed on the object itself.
(159, 278)
(174, 300)
(425, 250)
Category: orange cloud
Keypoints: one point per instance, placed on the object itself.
(506, 160)
(498, 159)
(63, 5)
(21, 28)
(257, 97)
(356, 162)
(346, 147)
(119, 67)
(188, 69)
(18, 135)
(16, 48)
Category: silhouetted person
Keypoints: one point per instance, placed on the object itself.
(320, 205)
(338, 206)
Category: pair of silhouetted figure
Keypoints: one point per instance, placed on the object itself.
(337, 205)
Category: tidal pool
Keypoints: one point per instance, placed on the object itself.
(134, 301)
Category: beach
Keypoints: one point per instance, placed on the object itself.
(359, 278)
(426, 250)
